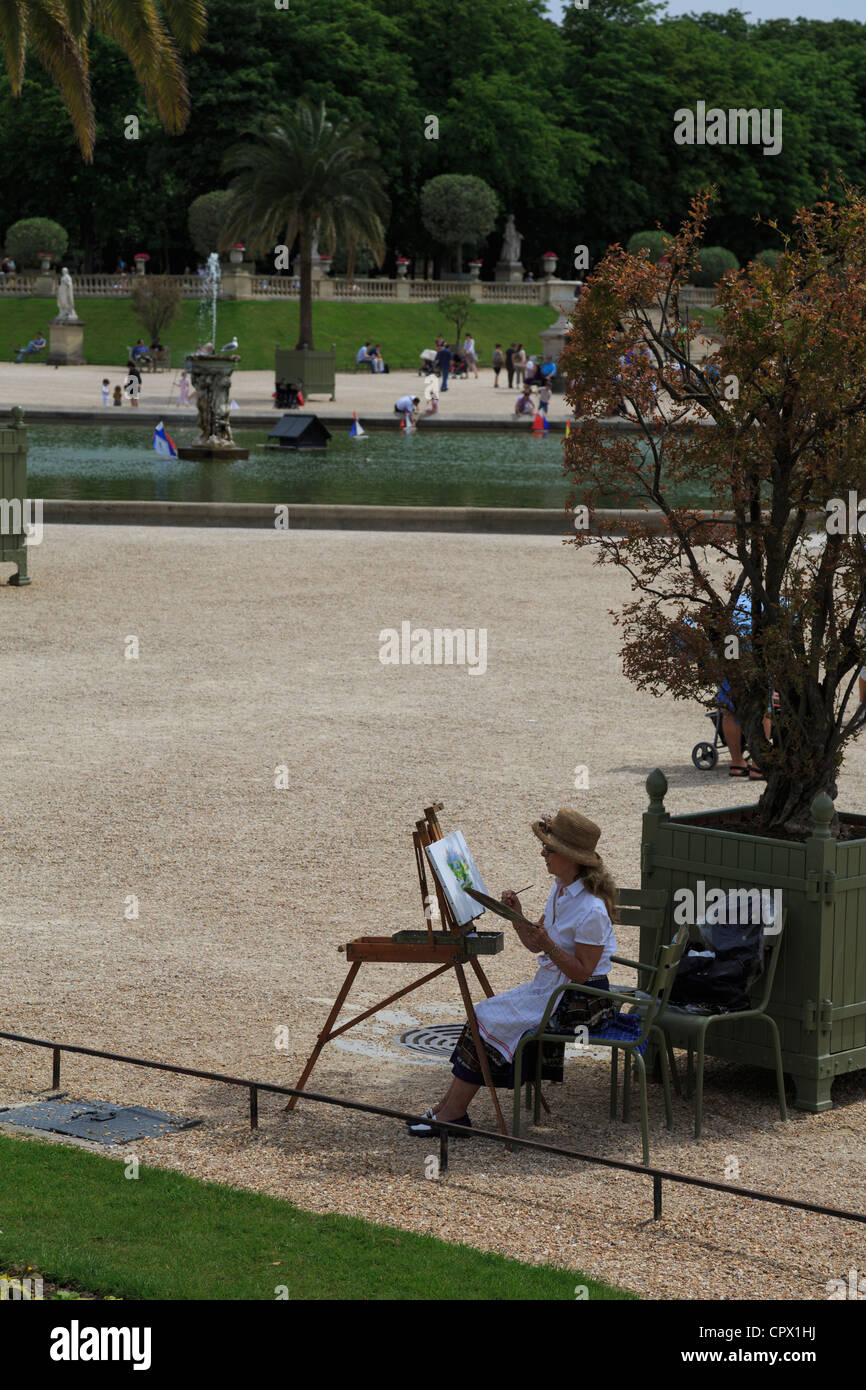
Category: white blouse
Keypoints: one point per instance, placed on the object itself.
(572, 916)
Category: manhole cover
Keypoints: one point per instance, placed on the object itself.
(437, 1040)
(96, 1121)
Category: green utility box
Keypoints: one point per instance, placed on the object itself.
(13, 495)
(315, 372)
(819, 995)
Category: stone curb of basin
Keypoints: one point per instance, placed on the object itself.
(147, 417)
(531, 521)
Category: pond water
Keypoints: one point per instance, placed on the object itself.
(93, 462)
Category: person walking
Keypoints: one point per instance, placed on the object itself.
(443, 361)
(519, 364)
(498, 360)
(469, 355)
(509, 364)
(132, 385)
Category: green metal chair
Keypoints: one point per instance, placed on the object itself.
(687, 1028)
(662, 974)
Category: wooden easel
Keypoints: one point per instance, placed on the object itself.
(448, 950)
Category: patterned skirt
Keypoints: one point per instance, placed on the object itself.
(573, 1011)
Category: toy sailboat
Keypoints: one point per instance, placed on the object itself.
(357, 431)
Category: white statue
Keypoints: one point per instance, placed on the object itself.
(511, 242)
(65, 302)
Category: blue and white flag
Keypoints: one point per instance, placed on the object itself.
(357, 431)
(163, 443)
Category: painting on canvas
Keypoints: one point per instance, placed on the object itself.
(455, 869)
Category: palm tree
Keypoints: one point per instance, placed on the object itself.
(302, 177)
(149, 31)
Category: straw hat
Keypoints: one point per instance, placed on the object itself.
(571, 834)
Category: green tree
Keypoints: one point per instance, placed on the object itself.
(207, 221)
(150, 33)
(156, 301)
(656, 243)
(458, 209)
(32, 237)
(714, 261)
(457, 308)
(300, 175)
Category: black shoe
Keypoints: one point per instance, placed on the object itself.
(429, 1129)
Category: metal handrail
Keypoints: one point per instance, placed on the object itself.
(658, 1175)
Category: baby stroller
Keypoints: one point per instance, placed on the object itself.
(429, 363)
(459, 367)
(706, 755)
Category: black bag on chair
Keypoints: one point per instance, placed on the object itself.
(717, 973)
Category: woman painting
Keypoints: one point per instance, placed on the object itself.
(576, 939)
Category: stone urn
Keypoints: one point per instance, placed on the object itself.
(141, 263)
(45, 261)
(236, 255)
(475, 270)
(549, 262)
(211, 377)
(402, 269)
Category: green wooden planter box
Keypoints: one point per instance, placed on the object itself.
(819, 996)
(314, 371)
(13, 488)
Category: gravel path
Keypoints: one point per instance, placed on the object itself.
(155, 777)
(36, 384)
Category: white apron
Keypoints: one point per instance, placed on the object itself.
(504, 1019)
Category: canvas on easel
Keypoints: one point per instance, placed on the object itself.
(456, 871)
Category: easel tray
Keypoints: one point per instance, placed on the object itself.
(483, 943)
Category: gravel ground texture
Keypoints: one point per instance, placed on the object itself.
(149, 785)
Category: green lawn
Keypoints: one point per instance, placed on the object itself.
(403, 330)
(73, 1217)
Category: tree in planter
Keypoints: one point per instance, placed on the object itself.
(457, 308)
(458, 209)
(302, 173)
(156, 302)
(656, 243)
(715, 262)
(33, 237)
(206, 220)
(784, 398)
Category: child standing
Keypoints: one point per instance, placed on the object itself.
(544, 397)
(117, 399)
(183, 389)
(106, 391)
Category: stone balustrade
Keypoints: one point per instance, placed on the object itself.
(240, 282)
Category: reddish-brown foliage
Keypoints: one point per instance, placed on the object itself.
(772, 426)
